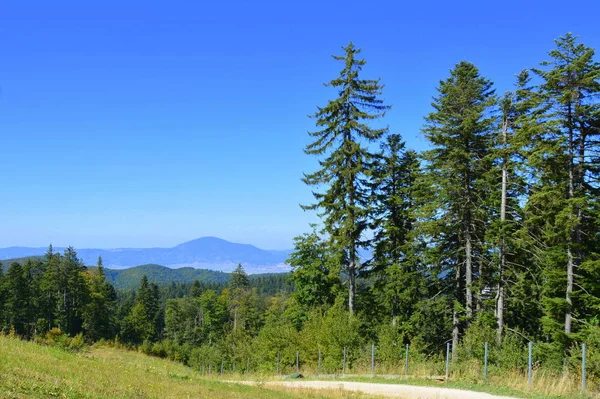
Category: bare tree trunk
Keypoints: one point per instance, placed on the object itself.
(502, 265)
(455, 320)
(352, 281)
(455, 334)
(468, 272)
(568, 314)
(394, 311)
(570, 259)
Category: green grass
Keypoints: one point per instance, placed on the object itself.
(29, 370)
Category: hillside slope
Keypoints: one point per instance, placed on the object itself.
(28, 370)
(130, 278)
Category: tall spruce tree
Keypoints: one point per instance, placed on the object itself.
(239, 285)
(394, 178)
(33, 270)
(97, 320)
(460, 131)
(16, 295)
(564, 202)
(239, 278)
(143, 321)
(345, 160)
(519, 113)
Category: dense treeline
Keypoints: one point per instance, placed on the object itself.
(493, 227)
(57, 291)
(490, 235)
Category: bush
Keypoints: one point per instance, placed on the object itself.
(56, 338)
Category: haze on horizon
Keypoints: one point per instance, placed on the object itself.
(130, 125)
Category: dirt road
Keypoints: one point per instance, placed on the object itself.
(387, 390)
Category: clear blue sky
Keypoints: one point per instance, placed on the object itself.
(142, 123)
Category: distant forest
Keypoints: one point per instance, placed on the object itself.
(489, 235)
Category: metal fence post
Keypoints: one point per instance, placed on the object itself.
(319, 364)
(344, 364)
(485, 361)
(447, 360)
(279, 363)
(529, 365)
(406, 363)
(583, 350)
(372, 360)
(297, 362)
(233, 366)
(222, 365)
(248, 366)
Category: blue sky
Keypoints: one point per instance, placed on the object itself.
(141, 123)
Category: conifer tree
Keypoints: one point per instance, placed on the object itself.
(33, 271)
(49, 285)
(519, 110)
(460, 131)
(399, 281)
(239, 278)
(143, 320)
(196, 289)
(239, 285)
(345, 159)
(16, 294)
(564, 200)
(98, 313)
(73, 291)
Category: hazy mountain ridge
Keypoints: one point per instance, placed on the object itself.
(206, 252)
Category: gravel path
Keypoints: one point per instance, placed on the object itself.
(387, 390)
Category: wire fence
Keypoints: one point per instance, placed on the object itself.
(375, 367)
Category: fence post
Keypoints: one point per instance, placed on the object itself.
(406, 363)
(319, 364)
(248, 366)
(297, 362)
(485, 361)
(344, 364)
(447, 360)
(233, 366)
(278, 363)
(583, 350)
(209, 368)
(372, 360)
(529, 365)
(222, 365)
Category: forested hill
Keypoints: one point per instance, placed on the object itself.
(129, 279)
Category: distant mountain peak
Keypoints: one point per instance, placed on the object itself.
(208, 252)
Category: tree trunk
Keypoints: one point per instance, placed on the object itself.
(468, 272)
(455, 320)
(570, 259)
(394, 311)
(502, 249)
(455, 334)
(568, 314)
(352, 281)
